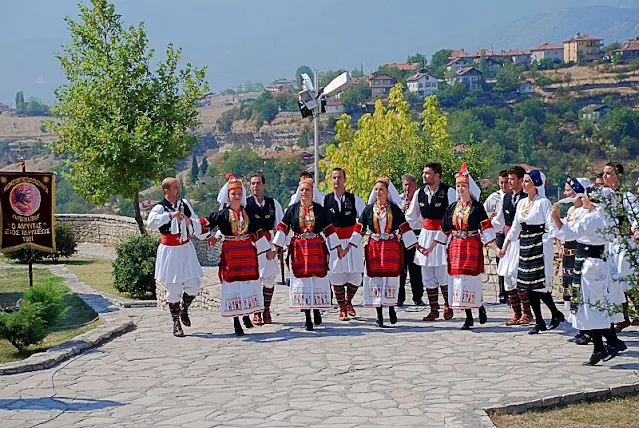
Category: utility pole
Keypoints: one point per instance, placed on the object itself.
(316, 114)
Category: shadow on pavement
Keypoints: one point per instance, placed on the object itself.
(65, 404)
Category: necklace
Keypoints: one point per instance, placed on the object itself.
(462, 211)
(527, 206)
(306, 218)
(379, 211)
(239, 223)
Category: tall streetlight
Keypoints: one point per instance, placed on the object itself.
(312, 102)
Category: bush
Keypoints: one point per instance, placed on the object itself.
(49, 300)
(65, 246)
(134, 266)
(23, 328)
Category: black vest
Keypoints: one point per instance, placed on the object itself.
(510, 208)
(438, 203)
(347, 216)
(166, 228)
(264, 217)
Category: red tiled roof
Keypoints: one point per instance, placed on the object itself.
(515, 52)
(583, 37)
(334, 103)
(630, 45)
(465, 70)
(546, 47)
(459, 54)
(404, 66)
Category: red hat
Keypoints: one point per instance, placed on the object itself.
(233, 182)
(462, 176)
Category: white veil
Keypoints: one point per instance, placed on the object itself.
(393, 195)
(223, 196)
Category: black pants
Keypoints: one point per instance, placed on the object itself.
(415, 272)
(500, 242)
(535, 303)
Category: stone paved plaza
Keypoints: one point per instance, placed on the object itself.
(344, 374)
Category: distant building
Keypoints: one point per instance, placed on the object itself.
(405, 67)
(493, 65)
(547, 51)
(516, 56)
(469, 76)
(334, 107)
(629, 50)
(595, 112)
(4, 107)
(282, 85)
(422, 84)
(457, 63)
(381, 85)
(583, 48)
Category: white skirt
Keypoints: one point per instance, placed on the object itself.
(621, 263)
(353, 262)
(465, 291)
(177, 264)
(596, 284)
(309, 293)
(509, 264)
(439, 256)
(241, 298)
(380, 291)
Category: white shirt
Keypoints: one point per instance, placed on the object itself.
(540, 213)
(359, 203)
(414, 213)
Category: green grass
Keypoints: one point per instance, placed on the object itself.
(79, 319)
(614, 413)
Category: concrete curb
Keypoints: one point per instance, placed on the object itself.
(58, 354)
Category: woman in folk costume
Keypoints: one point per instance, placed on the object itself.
(310, 288)
(593, 286)
(467, 224)
(383, 254)
(238, 271)
(532, 221)
(574, 192)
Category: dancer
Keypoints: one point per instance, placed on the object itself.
(535, 270)
(266, 213)
(427, 210)
(466, 222)
(241, 293)
(176, 263)
(346, 264)
(409, 184)
(593, 284)
(310, 288)
(384, 253)
(493, 205)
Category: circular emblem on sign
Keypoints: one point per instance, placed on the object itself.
(25, 199)
(45, 179)
(3, 180)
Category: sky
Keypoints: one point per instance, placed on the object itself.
(263, 39)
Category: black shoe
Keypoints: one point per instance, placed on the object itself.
(379, 322)
(595, 358)
(400, 304)
(419, 303)
(555, 321)
(247, 321)
(583, 340)
(614, 350)
(309, 326)
(503, 299)
(392, 315)
(468, 324)
(482, 315)
(577, 336)
(184, 316)
(536, 329)
(239, 332)
(177, 329)
(317, 317)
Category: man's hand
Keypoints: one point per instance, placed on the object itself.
(188, 220)
(340, 253)
(212, 241)
(492, 215)
(270, 255)
(177, 214)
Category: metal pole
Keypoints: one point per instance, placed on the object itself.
(316, 113)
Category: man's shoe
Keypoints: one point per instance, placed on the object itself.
(583, 340)
(177, 329)
(419, 302)
(514, 320)
(432, 316)
(448, 312)
(537, 329)
(595, 358)
(555, 321)
(257, 319)
(184, 316)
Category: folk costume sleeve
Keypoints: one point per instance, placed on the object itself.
(158, 217)
(201, 228)
(499, 221)
(413, 213)
(487, 230)
(406, 232)
(284, 227)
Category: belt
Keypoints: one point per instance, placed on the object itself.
(432, 224)
(464, 234)
(591, 251)
(306, 235)
(344, 232)
(236, 237)
(383, 236)
(173, 240)
(527, 228)
(569, 252)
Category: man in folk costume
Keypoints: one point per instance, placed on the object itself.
(384, 252)
(426, 211)
(508, 265)
(467, 224)
(492, 205)
(627, 222)
(346, 260)
(176, 264)
(409, 185)
(310, 288)
(266, 213)
(242, 243)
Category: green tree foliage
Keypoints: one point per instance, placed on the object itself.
(417, 58)
(354, 96)
(509, 78)
(302, 141)
(225, 122)
(269, 111)
(20, 104)
(123, 123)
(36, 107)
(195, 169)
(451, 95)
(438, 63)
(287, 101)
(204, 166)
(134, 266)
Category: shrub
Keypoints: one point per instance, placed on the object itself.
(65, 246)
(49, 300)
(23, 328)
(134, 266)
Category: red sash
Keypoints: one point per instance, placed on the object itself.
(309, 257)
(173, 240)
(344, 232)
(432, 224)
(384, 258)
(238, 261)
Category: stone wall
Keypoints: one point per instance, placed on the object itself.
(112, 230)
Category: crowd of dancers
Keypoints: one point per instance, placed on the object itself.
(434, 233)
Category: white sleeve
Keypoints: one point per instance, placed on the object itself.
(413, 213)
(515, 230)
(546, 208)
(499, 221)
(631, 204)
(157, 218)
(196, 224)
(359, 205)
(279, 213)
(577, 229)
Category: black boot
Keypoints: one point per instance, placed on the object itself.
(392, 315)
(599, 353)
(247, 321)
(380, 318)
(317, 317)
(309, 323)
(469, 320)
(614, 345)
(482, 315)
(238, 327)
(174, 308)
(184, 313)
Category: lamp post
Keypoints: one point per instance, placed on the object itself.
(316, 115)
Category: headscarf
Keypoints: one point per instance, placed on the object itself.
(393, 194)
(539, 181)
(232, 183)
(463, 176)
(579, 185)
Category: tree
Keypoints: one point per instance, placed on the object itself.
(508, 78)
(20, 105)
(204, 166)
(438, 62)
(123, 123)
(269, 111)
(354, 96)
(417, 58)
(304, 69)
(195, 170)
(302, 140)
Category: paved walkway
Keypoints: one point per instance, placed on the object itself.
(342, 375)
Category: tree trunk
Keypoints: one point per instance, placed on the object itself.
(138, 213)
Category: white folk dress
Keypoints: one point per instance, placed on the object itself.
(270, 268)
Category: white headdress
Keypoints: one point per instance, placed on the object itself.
(393, 194)
(317, 195)
(232, 183)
